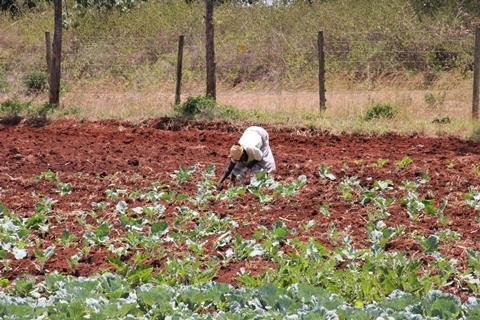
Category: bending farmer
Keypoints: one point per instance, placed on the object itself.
(252, 153)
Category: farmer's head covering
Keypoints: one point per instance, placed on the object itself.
(236, 152)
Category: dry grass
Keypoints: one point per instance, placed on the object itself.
(345, 109)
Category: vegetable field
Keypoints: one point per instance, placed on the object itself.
(110, 220)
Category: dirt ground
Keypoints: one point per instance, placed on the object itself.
(93, 155)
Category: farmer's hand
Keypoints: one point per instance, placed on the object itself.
(240, 182)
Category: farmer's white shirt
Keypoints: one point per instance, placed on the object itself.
(251, 141)
(255, 141)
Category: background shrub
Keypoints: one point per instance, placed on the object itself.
(13, 111)
(206, 108)
(16, 7)
(434, 101)
(381, 111)
(35, 81)
(13, 108)
(196, 107)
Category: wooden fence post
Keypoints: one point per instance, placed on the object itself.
(321, 71)
(476, 76)
(210, 49)
(54, 94)
(178, 88)
(48, 53)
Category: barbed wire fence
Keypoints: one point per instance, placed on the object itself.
(274, 74)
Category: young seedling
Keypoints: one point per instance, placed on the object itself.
(476, 170)
(73, 262)
(382, 162)
(182, 175)
(324, 209)
(348, 187)
(63, 188)
(47, 175)
(67, 239)
(406, 161)
(429, 244)
(307, 226)
(4, 283)
(358, 162)
(379, 235)
(102, 206)
(325, 173)
(449, 236)
(23, 287)
(45, 206)
(115, 194)
(42, 257)
(99, 236)
(332, 233)
(4, 259)
(472, 198)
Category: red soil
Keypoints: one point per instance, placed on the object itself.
(93, 155)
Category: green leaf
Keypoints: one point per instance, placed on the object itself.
(182, 197)
(383, 185)
(325, 173)
(102, 231)
(23, 287)
(430, 244)
(159, 227)
(154, 296)
(140, 275)
(268, 295)
(382, 162)
(445, 308)
(404, 162)
(4, 282)
(324, 209)
(3, 210)
(3, 253)
(35, 221)
(66, 238)
(473, 259)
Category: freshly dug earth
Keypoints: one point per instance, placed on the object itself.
(94, 156)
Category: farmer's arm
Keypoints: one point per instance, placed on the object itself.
(226, 172)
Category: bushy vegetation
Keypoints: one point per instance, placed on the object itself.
(13, 108)
(434, 101)
(380, 111)
(110, 296)
(35, 81)
(17, 7)
(204, 107)
(13, 111)
(196, 106)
